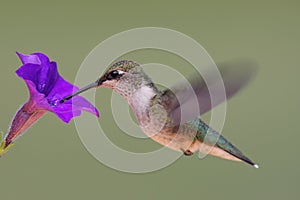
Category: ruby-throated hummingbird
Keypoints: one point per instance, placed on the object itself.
(168, 116)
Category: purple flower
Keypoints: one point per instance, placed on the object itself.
(46, 88)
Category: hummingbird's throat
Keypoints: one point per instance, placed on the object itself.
(140, 101)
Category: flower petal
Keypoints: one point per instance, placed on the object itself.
(47, 77)
(29, 72)
(37, 100)
(65, 112)
(33, 59)
(82, 103)
(71, 108)
(42, 57)
(39, 70)
(36, 58)
(60, 90)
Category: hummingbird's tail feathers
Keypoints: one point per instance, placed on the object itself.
(234, 151)
(213, 143)
(245, 159)
(205, 149)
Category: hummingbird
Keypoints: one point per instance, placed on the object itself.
(168, 116)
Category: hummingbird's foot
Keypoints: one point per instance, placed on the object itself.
(187, 152)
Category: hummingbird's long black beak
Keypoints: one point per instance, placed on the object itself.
(89, 86)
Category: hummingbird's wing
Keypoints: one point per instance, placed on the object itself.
(193, 98)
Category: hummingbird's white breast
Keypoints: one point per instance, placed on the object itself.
(151, 118)
(140, 102)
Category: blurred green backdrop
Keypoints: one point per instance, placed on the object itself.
(50, 162)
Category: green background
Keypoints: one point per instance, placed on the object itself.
(50, 162)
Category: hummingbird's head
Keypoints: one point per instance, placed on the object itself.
(117, 72)
(124, 76)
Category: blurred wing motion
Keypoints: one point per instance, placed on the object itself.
(192, 97)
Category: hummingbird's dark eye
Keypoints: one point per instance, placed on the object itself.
(112, 75)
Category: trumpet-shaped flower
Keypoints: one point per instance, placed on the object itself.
(46, 88)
